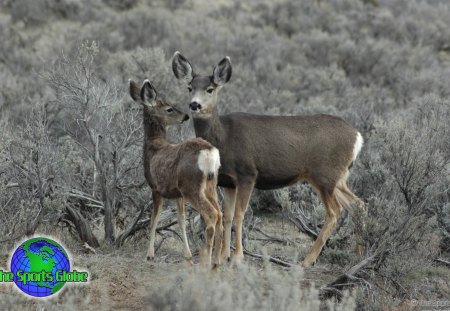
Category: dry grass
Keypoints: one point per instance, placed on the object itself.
(121, 279)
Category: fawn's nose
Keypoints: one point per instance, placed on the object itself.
(195, 106)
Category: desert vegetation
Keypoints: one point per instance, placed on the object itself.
(71, 147)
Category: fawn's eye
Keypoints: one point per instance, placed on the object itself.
(210, 90)
(169, 109)
(189, 89)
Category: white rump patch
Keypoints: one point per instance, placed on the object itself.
(358, 145)
(209, 161)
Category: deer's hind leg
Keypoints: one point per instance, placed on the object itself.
(211, 194)
(182, 223)
(333, 210)
(346, 197)
(202, 205)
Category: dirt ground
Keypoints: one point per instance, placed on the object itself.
(121, 279)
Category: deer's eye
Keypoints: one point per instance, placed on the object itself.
(189, 89)
(169, 109)
(210, 90)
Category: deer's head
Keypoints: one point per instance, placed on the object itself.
(203, 88)
(155, 106)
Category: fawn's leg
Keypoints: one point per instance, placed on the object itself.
(182, 223)
(157, 203)
(202, 205)
(211, 194)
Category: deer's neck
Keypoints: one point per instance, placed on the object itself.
(154, 134)
(210, 129)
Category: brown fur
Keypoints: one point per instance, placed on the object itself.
(172, 172)
(270, 152)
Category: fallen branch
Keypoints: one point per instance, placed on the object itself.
(84, 196)
(88, 249)
(346, 280)
(12, 185)
(133, 228)
(442, 261)
(142, 224)
(166, 227)
(270, 258)
(81, 226)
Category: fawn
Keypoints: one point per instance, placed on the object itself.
(185, 171)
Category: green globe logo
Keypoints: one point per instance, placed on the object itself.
(39, 266)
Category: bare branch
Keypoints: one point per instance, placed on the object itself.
(300, 221)
(81, 226)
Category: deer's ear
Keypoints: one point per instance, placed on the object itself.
(148, 93)
(222, 72)
(181, 67)
(135, 91)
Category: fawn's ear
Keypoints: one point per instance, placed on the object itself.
(148, 93)
(181, 67)
(135, 91)
(222, 72)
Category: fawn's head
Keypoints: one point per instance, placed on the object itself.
(203, 88)
(155, 106)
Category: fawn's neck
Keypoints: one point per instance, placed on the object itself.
(154, 133)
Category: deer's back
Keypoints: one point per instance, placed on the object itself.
(280, 150)
(176, 166)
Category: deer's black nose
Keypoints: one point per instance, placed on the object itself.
(195, 106)
(186, 117)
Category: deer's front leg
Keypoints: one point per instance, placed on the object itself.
(229, 201)
(157, 204)
(244, 191)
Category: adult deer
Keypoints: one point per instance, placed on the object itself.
(186, 171)
(270, 152)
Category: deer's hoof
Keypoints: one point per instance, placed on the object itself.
(189, 261)
(307, 263)
(237, 259)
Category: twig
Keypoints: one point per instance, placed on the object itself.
(270, 238)
(160, 243)
(170, 230)
(165, 227)
(299, 220)
(133, 228)
(270, 258)
(442, 261)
